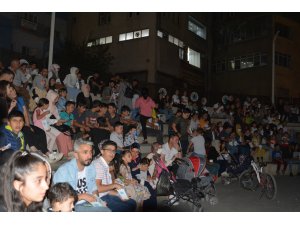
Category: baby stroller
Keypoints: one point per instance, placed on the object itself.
(186, 189)
(193, 169)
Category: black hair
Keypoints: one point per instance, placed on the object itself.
(135, 145)
(42, 102)
(6, 71)
(145, 161)
(3, 87)
(17, 167)
(61, 192)
(117, 124)
(186, 110)
(125, 108)
(81, 104)
(145, 93)
(15, 113)
(173, 135)
(70, 103)
(107, 143)
(112, 105)
(62, 90)
(96, 103)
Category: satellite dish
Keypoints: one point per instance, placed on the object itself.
(162, 91)
(224, 99)
(194, 96)
(203, 101)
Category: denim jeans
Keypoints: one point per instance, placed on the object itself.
(118, 205)
(87, 207)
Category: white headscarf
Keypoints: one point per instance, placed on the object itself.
(71, 79)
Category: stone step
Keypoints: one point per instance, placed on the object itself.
(271, 169)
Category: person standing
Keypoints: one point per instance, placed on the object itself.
(146, 105)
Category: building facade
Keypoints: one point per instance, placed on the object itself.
(26, 35)
(243, 53)
(168, 50)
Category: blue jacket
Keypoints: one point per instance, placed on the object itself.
(68, 172)
(8, 137)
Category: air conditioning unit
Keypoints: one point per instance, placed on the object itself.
(137, 34)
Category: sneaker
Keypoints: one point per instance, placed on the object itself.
(173, 200)
(55, 157)
(225, 174)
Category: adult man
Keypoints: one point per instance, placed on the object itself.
(106, 187)
(171, 150)
(180, 127)
(81, 175)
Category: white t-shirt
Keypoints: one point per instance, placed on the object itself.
(175, 99)
(169, 153)
(199, 144)
(81, 182)
(118, 138)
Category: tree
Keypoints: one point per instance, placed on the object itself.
(88, 59)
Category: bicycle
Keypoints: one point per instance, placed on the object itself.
(254, 177)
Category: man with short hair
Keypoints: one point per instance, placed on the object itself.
(171, 150)
(112, 115)
(106, 187)
(81, 175)
(180, 127)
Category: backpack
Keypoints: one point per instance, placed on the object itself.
(163, 184)
(128, 92)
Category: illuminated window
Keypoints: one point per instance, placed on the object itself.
(196, 27)
(193, 57)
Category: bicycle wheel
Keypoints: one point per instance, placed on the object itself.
(270, 186)
(248, 180)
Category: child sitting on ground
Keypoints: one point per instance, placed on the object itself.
(131, 136)
(62, 198)
(61, 103)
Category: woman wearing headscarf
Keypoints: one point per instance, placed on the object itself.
(72, 84)
(84, 96)
(39, 89)
(53, 72)
(63, 141)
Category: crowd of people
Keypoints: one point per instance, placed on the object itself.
(96, 128)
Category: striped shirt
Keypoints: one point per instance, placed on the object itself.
(102, 173)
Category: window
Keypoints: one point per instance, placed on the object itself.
(159, 34)
(134, 35)
(108, 39)
(171, 39)
(181, 53)
(122, 37)
(145, 33)
(103, 18)
(196, 27)
(282, 59)
(137, 34)
(193, 57)
(129, 36)
(30, 17)
(284, 31)
(242, 62)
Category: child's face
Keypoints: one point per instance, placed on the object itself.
(144, 167)
(44, 107)
(119, 129)
(16, 124)
(132, 131)
(127, 158)
(66, 206)
(70, 108)
(34, 186)
(63, 94)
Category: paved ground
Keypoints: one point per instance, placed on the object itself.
(232, 198)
